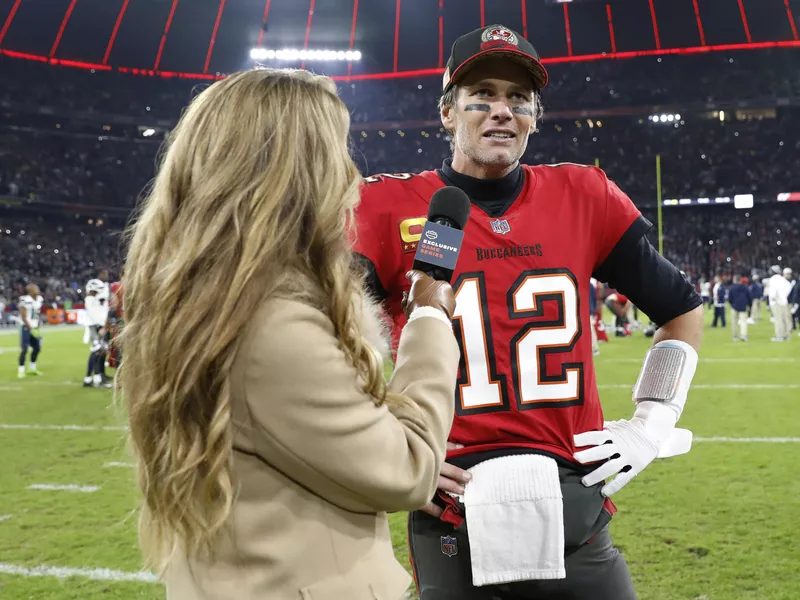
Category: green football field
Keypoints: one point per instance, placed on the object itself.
(721, 523)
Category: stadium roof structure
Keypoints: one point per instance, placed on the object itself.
(205, 39)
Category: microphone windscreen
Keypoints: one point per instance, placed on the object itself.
(450, 203)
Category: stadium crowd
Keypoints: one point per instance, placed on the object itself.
(700, 157)
(701, 240)
(95, 157)
(715, 77)
(58, 254)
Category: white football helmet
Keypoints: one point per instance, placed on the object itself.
(95, 285)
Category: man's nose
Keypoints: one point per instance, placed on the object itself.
(501, 112)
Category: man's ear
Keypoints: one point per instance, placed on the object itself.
(447, 117)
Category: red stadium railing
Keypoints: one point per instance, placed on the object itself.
(411, 73)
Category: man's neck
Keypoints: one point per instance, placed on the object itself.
(461, 164)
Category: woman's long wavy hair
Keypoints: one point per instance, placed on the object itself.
(253, 199)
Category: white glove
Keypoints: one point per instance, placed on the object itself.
(634, 443)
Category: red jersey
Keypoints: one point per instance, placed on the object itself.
(526, 377)
(620, 299)
(116, 297)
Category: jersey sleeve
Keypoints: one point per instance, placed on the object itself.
(373, 236)
(620, 222)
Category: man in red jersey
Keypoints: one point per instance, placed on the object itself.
(115, 319)
(619, 306)
(535, 237)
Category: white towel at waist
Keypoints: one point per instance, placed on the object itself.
(515, 520)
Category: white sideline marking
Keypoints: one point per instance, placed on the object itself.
(119, 464)
(71, 487)
(11, 389)
(53, 383)
(720, 386)
(5, 517)
(764, 440)
(64, 572)
(63, 427)
(48, 329)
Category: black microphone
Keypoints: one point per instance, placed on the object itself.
(440, 242)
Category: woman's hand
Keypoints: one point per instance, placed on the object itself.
(426, 291)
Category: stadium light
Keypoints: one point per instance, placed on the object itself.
(148, 132)
(666, 118)
(293, 54)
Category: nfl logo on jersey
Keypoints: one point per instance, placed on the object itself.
(449, 545)
(500, 226)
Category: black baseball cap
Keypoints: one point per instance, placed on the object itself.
(492, 41)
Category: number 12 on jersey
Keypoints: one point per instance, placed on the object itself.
(481, 388)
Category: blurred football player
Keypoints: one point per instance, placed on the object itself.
(756, 293)
(30, 333)
(705, 292)
(739, 299)
(720, 297)
(620, 307)
(105, 297)
(96, 319)
(115, 319)
(527, 405)
(794, 298)
(779, 290)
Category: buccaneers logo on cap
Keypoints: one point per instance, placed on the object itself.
(499, 33)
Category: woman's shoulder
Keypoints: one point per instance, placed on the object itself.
(286, 316)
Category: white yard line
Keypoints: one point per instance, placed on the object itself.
(71, 487)
(11, 388)
(62, 427)
(46, 329)
(119, 464)
(64, 572)
(5, 517)
(30, 381)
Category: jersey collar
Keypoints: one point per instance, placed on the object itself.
(494, 196)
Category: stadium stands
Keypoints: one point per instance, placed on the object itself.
(83, 152)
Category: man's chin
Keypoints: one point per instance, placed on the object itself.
(501, 159)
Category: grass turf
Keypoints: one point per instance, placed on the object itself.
(717, 524)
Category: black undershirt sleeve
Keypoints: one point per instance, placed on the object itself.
(650, 281)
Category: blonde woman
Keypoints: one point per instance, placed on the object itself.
(269, 445)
